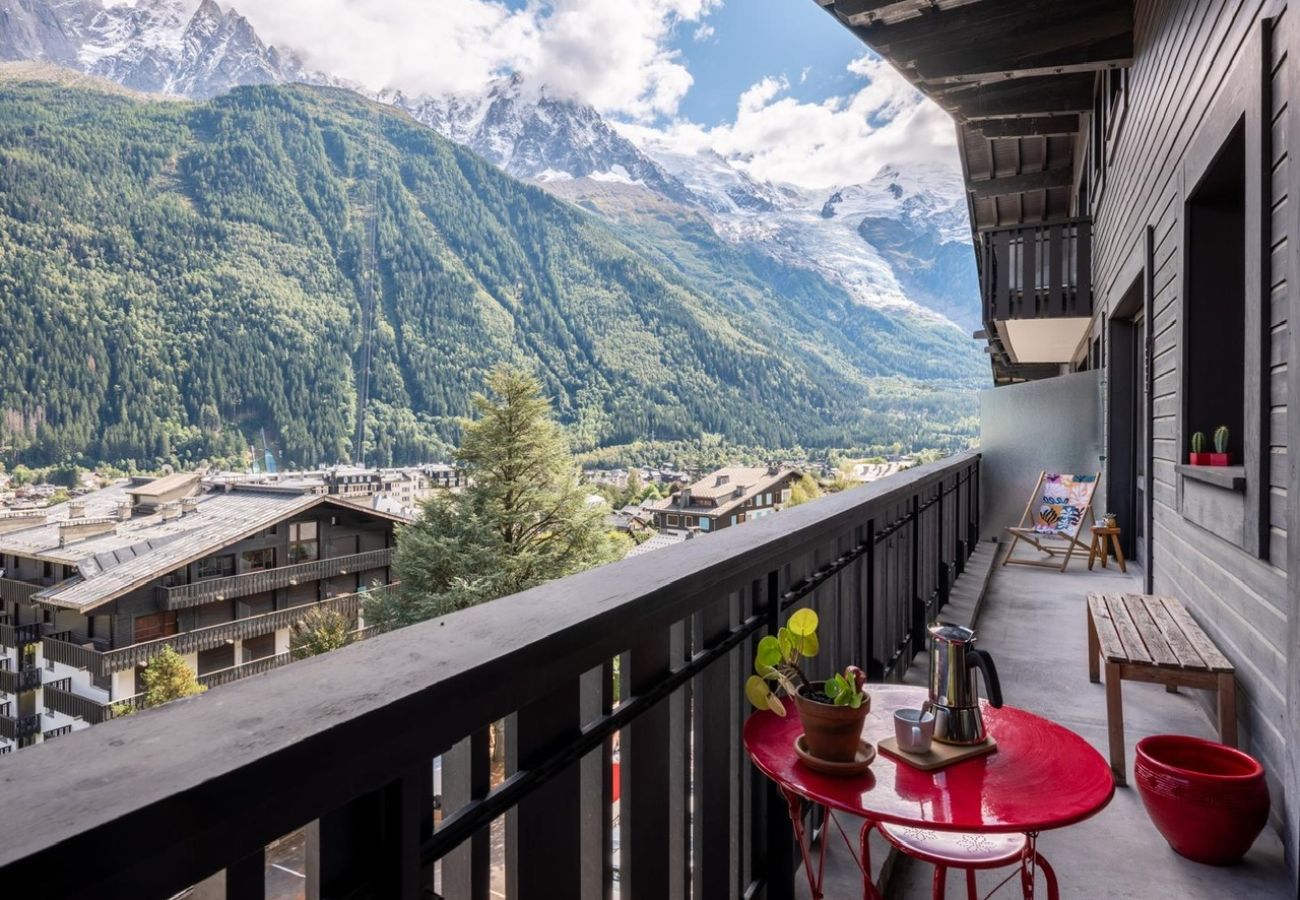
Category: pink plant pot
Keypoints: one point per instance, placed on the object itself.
(1208, 800)
(1198, 459)
(1220, 459)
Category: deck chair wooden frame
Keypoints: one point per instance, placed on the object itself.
(1025, 532)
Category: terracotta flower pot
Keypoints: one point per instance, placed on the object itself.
(833, 733)
(1220, 459)
(1198, 459)
(1208, 800)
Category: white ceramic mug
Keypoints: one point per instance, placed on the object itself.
(914, 730)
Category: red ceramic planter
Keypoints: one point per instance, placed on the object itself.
(1198, 459)
(1220, 459)
(1208, 800)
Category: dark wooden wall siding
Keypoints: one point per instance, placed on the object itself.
(1184, 49)
(1277, 315)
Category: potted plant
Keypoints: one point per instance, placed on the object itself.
(1198, 456)
(1221, 456)
(1110, 520)
(832, 711)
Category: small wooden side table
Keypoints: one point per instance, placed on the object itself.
(1100, 534)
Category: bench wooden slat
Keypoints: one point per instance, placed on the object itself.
(1134, 649)
(1172, 632)
(1157, 642)
(1214, 660)
(1107, 637)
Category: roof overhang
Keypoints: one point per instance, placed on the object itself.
(1019, 80)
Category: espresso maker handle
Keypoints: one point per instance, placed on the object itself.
(978, 659)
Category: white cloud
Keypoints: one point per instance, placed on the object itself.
(612, 54)
(703, 32)
(840, 140)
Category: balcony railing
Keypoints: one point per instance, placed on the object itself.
(12, 591)
(20, 635)
(1037, 271)
(19, 727)
(213, 779)
(12, 682)
(63, 700)
(102, 663)
(243, 670)
(272, 579)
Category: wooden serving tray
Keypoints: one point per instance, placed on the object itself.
(940, 754)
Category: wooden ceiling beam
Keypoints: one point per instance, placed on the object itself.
(1022, 97)
(1045, 126)
(1018, 184)
(989, 21)
(1007, 61)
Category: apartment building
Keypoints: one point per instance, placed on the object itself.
(724, 498)
(92, 589)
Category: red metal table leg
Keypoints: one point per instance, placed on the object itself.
(795, 804)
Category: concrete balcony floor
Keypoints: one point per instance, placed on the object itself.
(1033, 623)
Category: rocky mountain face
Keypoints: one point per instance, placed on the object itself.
(899, 240)
(535, 136)
(192, 48)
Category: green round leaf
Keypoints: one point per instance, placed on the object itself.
(786, 642)
(803, 622)
(807, 645)
(757, 692)
(767, 655)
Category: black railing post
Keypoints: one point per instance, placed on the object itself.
(918, 603)
(875, 663)
(778, 835)
(975, 502)
(943, 562)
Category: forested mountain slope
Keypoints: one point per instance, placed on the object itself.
(176, 276)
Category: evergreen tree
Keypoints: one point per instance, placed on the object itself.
(523, 520)
(168, 677)
(803, 490)
(320, 631)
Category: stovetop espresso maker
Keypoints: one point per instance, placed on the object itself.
(954, 699)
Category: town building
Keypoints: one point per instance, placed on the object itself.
(92, 589)
(729, 496)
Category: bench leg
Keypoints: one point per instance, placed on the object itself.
(1115, 722)
(1228, 709)
(1094, 650)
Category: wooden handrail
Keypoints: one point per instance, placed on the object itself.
(360, 725)
(243, 585)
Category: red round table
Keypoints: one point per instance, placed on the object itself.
(1042, 776)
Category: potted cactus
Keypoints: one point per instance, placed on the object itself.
(1221, 456)
(832, 711)
(1198, 456)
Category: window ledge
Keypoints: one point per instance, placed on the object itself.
(1232, 478)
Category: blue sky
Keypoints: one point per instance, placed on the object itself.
(753, 39)
(777, 87)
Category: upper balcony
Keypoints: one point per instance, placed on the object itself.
(248, 583)
(1036, 287)
(60, 647)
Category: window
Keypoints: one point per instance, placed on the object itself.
(258, 560)
(47, 569)
(767, 499)
(157, 625)
(672, 520)
(303, 543)
(1214, 371)
(705, 523)
(216, 567)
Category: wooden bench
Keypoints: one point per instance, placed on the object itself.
(1154, 639)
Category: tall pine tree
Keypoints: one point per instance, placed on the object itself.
(523, 520)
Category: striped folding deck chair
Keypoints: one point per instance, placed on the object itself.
(1057, 511)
